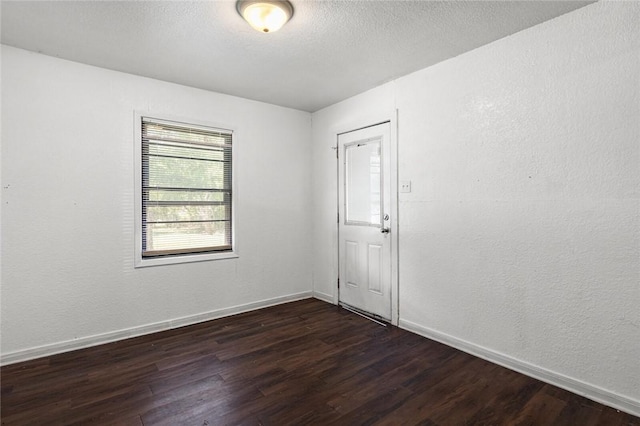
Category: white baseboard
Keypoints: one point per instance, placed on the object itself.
(323, 296)
(99, 339)
(587, 390)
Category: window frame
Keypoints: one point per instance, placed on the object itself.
(139, 260)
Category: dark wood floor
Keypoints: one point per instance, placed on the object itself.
(305, 362)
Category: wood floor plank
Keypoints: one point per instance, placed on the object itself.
(541, 408)
(378, 405)
(300, 363)
(437, 395)
(196, 408)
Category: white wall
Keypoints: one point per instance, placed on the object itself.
(520, 240)
(67, 208)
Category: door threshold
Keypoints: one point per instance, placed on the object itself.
(368, 315)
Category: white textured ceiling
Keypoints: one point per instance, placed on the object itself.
(329, 51)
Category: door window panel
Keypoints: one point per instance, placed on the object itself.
(363, 183)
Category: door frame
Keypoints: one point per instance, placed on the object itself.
(392, 118)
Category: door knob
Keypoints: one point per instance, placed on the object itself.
(384, 230)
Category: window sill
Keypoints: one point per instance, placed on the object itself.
(172, 260)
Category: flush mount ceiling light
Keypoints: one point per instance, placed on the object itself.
(264, 15)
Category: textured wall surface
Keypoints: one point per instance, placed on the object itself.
(521, 234)
(67, 211)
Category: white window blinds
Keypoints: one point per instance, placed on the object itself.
(186, 189)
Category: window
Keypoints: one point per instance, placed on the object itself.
(185, 192)
(363, 183)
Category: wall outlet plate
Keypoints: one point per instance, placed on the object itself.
(405, 186)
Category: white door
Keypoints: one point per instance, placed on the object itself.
(364, 207)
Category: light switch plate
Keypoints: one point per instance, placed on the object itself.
(405, 186)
